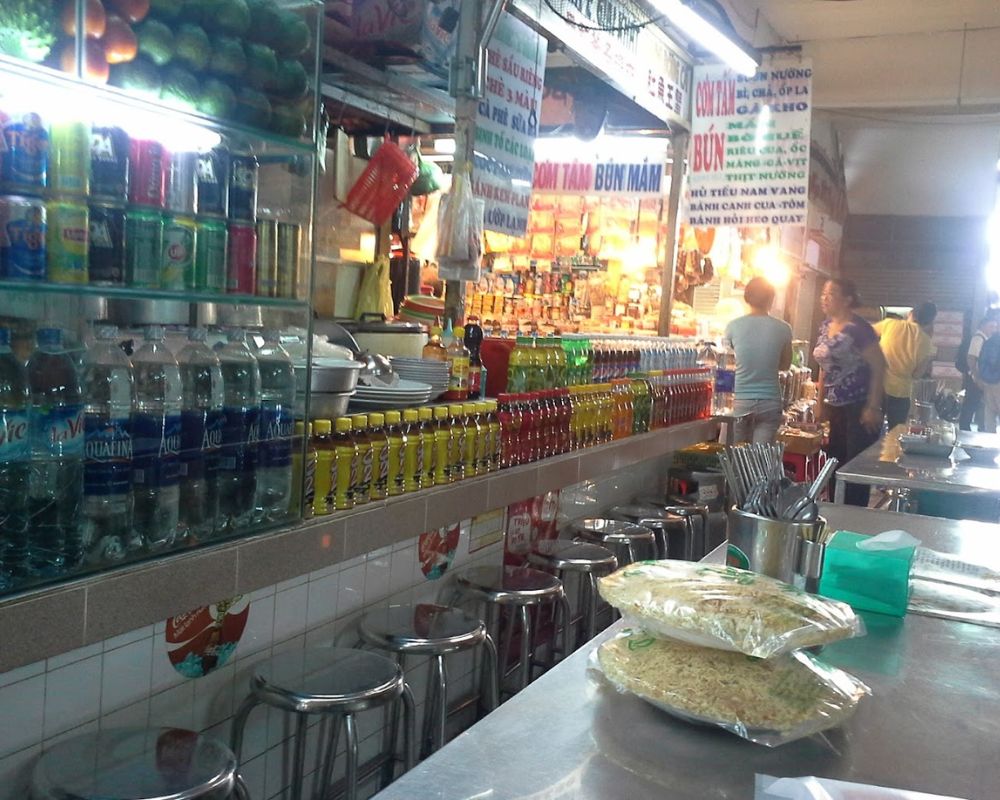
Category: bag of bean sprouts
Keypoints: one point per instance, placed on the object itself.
(712, 605)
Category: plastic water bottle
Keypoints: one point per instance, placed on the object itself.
(15, 453)
(156, 431)
(725, 379)
(241, 400)
(107, 468)
(277, 400)
(202, 422)
(56, 428)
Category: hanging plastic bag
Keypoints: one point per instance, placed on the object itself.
(375, 292)
(460, 231)
(726, 608)
(429, 175)
(766, 701)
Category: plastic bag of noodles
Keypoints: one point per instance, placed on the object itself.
(768, 701)
(726, 608)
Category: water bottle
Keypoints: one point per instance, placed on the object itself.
(156, 431)
(15, 453)
(202, 421)
(56, 429)
(238, 465)
(277, 400)
(107, 466)
(725, 379)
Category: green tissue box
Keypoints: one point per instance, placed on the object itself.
(869, 580)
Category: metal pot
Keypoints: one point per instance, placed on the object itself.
(329, 375)
(328, 405)
(374, 334)
(769, 546)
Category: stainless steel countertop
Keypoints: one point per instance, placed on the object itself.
(930, 725)
(885, 464)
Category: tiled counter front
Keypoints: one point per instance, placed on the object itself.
(94, 654)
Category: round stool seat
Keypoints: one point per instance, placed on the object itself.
(573, 556)
(423, 628)
(327, 679)
(511, 585)
(613, 531)
(136, 764)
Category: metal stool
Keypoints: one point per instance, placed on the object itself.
(138, 764)
(621, 537)
(433, 630)
(588, 561)
(519, 588)
(327, 680)
(692, 543)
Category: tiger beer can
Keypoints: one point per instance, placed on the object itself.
(289, 259)
(267, 257)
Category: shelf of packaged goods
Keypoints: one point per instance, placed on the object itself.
(135, 293)
(92, 608)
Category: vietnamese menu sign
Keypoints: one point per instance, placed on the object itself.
(506, 126)
(749, 155)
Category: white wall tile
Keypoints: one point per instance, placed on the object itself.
(15, 772)
(72, 695)
(291, 583)
(22, 706)
(259, 632)
(173, 708)
(128, 637)
(267, 591)
(88, 727)
(352, 590)
(22, 673)
(401, 568)
(326, 571)
(135, 715)
(71, 657)
(323, 600)
(276, 779)
(377, 570)
(163, 674)
(290, 612)
(254, 773)
(127, 674)
(213, 697)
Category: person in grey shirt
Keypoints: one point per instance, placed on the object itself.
(763, 346)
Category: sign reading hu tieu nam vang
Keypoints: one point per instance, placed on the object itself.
(749, 155)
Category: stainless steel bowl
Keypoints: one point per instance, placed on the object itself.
(335, 376)
(327, 405)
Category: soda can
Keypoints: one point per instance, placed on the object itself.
(213, 182)
(210, 255)
(106, 261)
(69, 157)
(25, 162)
(241, 261)
(143, 247)
(109, 163)
(22, 238)
(147, 172)
(177, 266)
(267, 258)
(180, 187)
(289, 258)
(66, 240)
(243, 172)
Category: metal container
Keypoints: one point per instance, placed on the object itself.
(289, 262)
(328, 405)
(374, 334)
(329, 375)
(769, 546)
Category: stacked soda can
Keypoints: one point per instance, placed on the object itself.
(241, 276)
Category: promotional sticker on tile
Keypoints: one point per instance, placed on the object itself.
(204, 639)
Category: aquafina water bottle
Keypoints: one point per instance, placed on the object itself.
(15, 454)
(238, 463)
(277, 402)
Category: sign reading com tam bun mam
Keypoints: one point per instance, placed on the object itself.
(749, 151)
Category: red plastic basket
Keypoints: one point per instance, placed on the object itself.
(382, 186)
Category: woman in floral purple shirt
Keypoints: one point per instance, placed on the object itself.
(850, 378)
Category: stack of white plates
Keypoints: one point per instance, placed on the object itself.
(403, 395)
(424, 370)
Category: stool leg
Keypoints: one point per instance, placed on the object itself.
(582, 608)
(240, 791)
(441, 708)
(409, 725)
(565, 614)
(239, 724)
(490, 662)
(299, 763)
(524, 667)
(590, 629)
(331, 754)
(506, 643)
(430, 704)
(391, 737)
(631, 552)
(351, 772)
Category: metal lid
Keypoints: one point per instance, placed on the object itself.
(324, 678)
(567, 554)
(376, 323)
(135, 764)
(522, 585)
(424, 627)
(609, 530)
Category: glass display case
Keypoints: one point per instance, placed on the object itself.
(155, 281)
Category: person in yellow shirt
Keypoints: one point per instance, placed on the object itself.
(908, 350)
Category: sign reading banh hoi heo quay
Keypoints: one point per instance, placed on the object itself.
(507, 124)
(749, 155)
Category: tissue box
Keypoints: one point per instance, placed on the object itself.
(869, 580)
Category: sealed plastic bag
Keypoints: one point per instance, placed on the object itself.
(767, 701)
(726, 608)
(375, 293)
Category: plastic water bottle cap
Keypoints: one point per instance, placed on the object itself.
(106, 333)
(197, 335)
(154, 333)
(49, 336)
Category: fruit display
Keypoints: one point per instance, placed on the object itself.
(237, 60)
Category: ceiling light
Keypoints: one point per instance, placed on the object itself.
(699, 29)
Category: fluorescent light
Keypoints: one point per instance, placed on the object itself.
(519, 182)
(707, 35)
(445, 146)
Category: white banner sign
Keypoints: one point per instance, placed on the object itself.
(507, 124)
(639, 179)
(749, 154)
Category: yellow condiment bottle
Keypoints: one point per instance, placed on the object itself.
(380, 456)
(344, 456)
(456, 443)
(473, 432)
(493, 427)
(397, 440)
(303, 471)
(323, 489)
(413, 450)
(426, 416)
(442, 446)
(362, 482)
(483, 439)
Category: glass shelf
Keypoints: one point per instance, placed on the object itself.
(133, 293)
